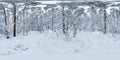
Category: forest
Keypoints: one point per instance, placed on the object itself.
(65, 17)
(59, 30)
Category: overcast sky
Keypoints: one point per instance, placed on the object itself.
(60, 0)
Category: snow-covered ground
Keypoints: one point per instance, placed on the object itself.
(53, 46)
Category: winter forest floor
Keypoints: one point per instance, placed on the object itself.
(51, 46)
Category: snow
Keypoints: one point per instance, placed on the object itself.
(86, 9)
(53, 46)
(53, 2)
(109, 9)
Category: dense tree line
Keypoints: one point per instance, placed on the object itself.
(63, 17)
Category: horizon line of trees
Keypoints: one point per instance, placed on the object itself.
(63, 17)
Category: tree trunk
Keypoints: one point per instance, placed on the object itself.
(63, 20)
(105, 19)
(52, 20)
(14, 31)
(6, 31)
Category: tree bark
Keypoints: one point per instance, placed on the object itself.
(63, 20)
(6, 31)
(52, 20)
(105, 19)
(14, 32)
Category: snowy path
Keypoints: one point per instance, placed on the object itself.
(86, 46)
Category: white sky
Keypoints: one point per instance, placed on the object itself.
(59, 0)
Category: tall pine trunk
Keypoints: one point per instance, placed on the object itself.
(14, 31)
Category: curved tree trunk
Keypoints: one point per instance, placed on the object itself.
(6, 31)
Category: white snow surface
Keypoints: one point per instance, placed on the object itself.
(52, 46)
